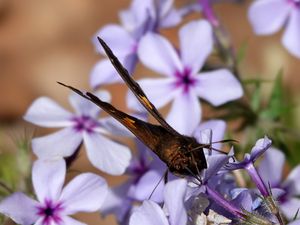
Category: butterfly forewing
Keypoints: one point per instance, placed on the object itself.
(135, 87)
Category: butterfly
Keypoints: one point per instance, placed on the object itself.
(182, 154)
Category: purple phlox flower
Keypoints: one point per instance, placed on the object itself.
(261, 146)
(143, 16)
(296, 222)
(85, 193)
(269, 16)
(145, 172)
(182, 82)
(81, 126)
(286, 192)
(259, 149)
(150, 213)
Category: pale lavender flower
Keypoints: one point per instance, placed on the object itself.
(81, 126)
(271, 169)
(85, 193)
(269, 16)
(183, 83)
(150, 213)
(143, 16)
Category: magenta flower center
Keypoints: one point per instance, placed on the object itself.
(84, 123)
(296, 3)
(50, 212)
(184, 79)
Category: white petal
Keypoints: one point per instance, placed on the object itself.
(266, 168)
(107, 155)
(196, 43)
(48, 177)
(291, 35)
(19, 208)
(148, 214)
(268, 16)
(218, 87)
(160, 91)
(174, 195)
(185, 113)
(46, 112)
(157, 53)
(103, 73)
(70, 221)
(84, 107)
(62, 143)
(112, 126)
(85, 193)
(117, 38)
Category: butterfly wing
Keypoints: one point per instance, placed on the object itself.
(135, 88)
(148, 133)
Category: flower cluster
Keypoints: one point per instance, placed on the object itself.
(218, 194)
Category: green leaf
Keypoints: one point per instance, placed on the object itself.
(241, 53)
(276, 106)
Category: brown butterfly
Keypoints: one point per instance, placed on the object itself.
(183, 155)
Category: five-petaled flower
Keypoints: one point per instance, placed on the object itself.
(269, 16)
(81, 126)
(85, 193)
(183, 83)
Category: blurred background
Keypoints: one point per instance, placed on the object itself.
(45, 41)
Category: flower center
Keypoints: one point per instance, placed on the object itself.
(184, 79)
(84, 123)
(296, 3)
(50, 212)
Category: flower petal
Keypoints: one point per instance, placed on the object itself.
(174, 199)
(290, 208)
(112, 126)
(62, 143)
(119, 40)
(218, 87)
(148, 214)
(160, 91)
(83, 106)
(157, 53)
(196, 43)
(70, 221)
(47, 113)
(19, 208)
(268, 16)
(107, 155)
(172, 18)
(149, 185)
(295, 222)
(48, 177)
(103, 73)
(185, 113)
(291, 35)
(292, 181)
(260, 147)
(266, 168)
(218, 128)
(85, 193)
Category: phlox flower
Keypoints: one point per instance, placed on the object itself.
(150, 213)
(54, 204)
(81, 126)
(271, 170)
(182, 82)
(143, 16)
(146, 171)
(260, 147)
(269, 16)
